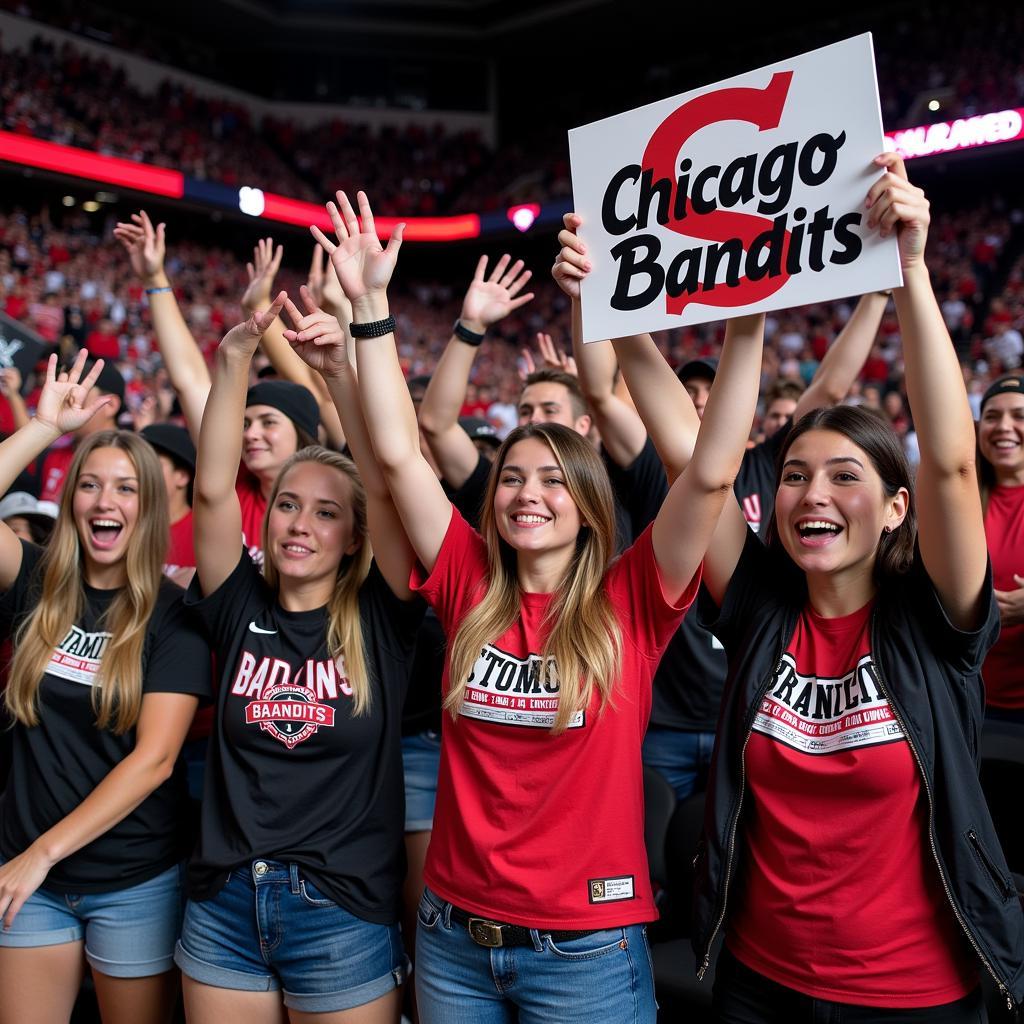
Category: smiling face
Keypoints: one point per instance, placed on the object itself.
(268, 439)
(533, 509)
(105, 508)
(311, 525)
(831, 508)
(1001, 436)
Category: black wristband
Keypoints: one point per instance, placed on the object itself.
(463, 333)
(374, 329)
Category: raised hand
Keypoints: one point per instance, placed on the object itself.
(243, 338)
(262, 271)
(555, 357)
(318, 339)
(572, 263)
(364, 267)
(325, 288)
(896, 205)
(10, 381)
(62, 402)
(491, 299)
(146, 246)
(550, 357)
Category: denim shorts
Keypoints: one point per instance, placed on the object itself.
(271, 929)
(605, 977)
(129, 933)
(421, 759)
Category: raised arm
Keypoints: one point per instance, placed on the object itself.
(217, 521)
(190, 376)
(364, 269)
(487, 301)
(690, 514)
(61, 409)
(266, 261)
(950, 523)
(668, 413)
(845, 356)
(622, 430)
(320, 341)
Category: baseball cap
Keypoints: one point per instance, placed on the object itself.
(479, 430)
(702, 369)
(21, 503)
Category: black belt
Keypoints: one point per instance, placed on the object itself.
(485, 932)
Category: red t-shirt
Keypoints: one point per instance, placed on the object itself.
(530, 828)
(55, 468)
(1004, 531)
(841, 897)
(181, 551)
(253, 506)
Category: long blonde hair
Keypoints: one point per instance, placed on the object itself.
(344, 630)
(585, 639)
(117, 688)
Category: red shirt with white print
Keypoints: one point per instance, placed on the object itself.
(1004, 531)
(530, 828)
(841, 897)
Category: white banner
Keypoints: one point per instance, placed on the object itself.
(743, 196)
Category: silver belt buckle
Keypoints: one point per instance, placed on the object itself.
(485, 933)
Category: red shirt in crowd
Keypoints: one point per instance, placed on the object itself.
(1004, 531)
(253, 506)
(841, 898)
(181, 549)
(55, 468)
(530, 828)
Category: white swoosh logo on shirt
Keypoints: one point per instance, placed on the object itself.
(253, 628)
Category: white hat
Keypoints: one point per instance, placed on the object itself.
(21, 503)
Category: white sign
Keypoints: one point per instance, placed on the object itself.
(739, 197)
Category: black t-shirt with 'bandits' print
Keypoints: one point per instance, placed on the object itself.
(59, 762)
(292, 775)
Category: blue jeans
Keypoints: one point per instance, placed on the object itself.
(602, 978)
(681, 757)
(421, 759)
(128, 933)
(269, 928)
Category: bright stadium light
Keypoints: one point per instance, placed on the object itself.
(251, 201)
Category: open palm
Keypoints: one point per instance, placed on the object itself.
(363, 266)
(63, 402)
(492, 299)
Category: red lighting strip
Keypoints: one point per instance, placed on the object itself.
(81, 163)
(417, 229)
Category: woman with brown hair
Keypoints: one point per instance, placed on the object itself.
(105, 679)
(537, 880)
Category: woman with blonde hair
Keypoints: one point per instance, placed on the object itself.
(538, 885)
(106, 675)
(296, 883)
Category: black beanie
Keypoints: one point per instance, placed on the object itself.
(293, 400)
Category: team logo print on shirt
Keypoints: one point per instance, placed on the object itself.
(826, 716)
(290, 710)
(752, 511)
(514, 691)
(77, 658)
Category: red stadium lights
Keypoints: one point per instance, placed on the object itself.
(81, 163)
(523, 216)
(962, 133)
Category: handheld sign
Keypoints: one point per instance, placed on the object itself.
(736, 198)
(20, 347)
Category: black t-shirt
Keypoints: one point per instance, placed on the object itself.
(59, 762)
(689, 680)
(755, 482)
(292, 775)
